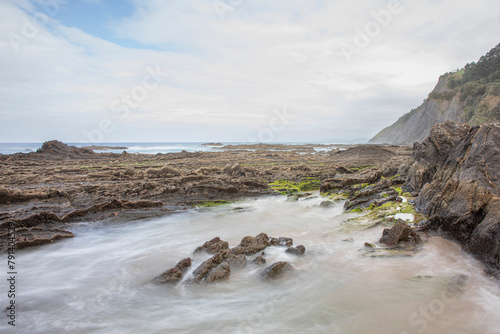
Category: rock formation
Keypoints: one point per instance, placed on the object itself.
(456, 173)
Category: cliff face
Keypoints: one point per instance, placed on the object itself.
(471, 95)
(456, 173)
(416, 125)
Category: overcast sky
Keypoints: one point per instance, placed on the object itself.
(227, 70)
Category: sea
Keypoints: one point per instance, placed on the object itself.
(151, 148)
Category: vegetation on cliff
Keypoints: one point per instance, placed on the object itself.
(469, 95)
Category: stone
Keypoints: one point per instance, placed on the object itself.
(251, 245)
(237, 261)
(174, 274)
(299, 250)
(259, 260)
(281, 241)
(212, 246)
(219, 273)
(276, 270)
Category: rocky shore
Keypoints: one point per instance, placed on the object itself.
(452, 177)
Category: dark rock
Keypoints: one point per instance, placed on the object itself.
(220, 273)
(276, 270)
(377, 194)
(299, 250)
(259, 260)
(58, 148)
(174, 274)
(200, 273)
(281, 241)
(326, 204)
(212, 246)
(237, 261)
(251, 245)
(367, 175)
(456, 173)
(400, 233)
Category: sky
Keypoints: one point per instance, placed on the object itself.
(227, 70)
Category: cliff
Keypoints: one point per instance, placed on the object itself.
(471, 95)
(456, 174)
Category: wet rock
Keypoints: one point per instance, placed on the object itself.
(387, 253)
(174, 274)
(370, 246)
(219, 273)
(456, 173)
(276, 270)
(259, 260)
(281, 241)
(377, 194)
(292, 198)
(326, 204)
(299, 250)
(402, 235)
(367, 175)
(237, 261)
(200, 273)
(212, 246)
(348, 240)
(251, 245)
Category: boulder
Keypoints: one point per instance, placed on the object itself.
(251, 245)
(237, 261)
(219, 273)
(200, 273)
(281, 241)
(174, 274)
(212, 246)
(276, 270)
(259, 260)
(400, 233)
(299, 250)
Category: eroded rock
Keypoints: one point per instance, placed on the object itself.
(174, 274)
(276, 270)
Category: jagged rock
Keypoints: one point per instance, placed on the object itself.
(400, 233)
(259, 260)
(276, 270)
(174, 274)
(200, 273)
(251, 245)
(212, 246)
(456, 173)
(377, 194)
(281, 241)
(57, 148)
(367, 175)
(219, 273)
(299, 250)
(237, 261)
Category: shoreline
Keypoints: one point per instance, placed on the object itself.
(43, 192)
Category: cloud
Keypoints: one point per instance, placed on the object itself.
(225, 77)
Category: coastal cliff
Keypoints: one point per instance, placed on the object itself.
(456, 174)
(470, 95)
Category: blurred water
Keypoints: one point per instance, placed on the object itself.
(98, 281)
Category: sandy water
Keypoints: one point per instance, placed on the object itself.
(98, 281)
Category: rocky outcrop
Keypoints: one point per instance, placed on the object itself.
(57, 148)
(401, 235)
(299, 250)
(466, 96)
(174, 274)
(376, 195)
(212, 246)
(456, 173)
(276, 270)
(251, 245)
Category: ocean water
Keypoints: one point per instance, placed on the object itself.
(146, 148)
(99, 281)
